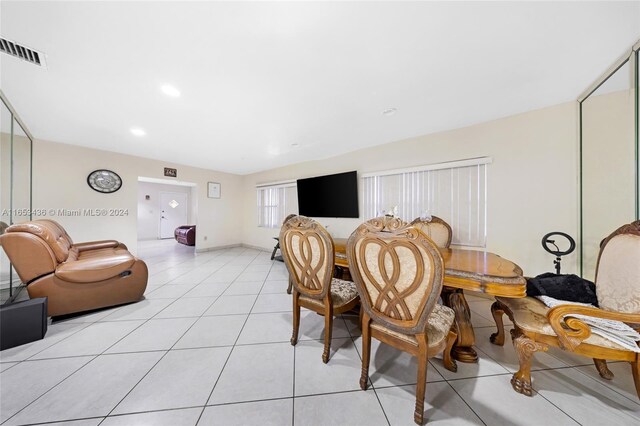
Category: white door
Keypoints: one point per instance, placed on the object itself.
(173, 212)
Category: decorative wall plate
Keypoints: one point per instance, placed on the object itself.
(104, 181)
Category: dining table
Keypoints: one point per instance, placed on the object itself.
(465, 270)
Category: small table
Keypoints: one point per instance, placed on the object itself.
(470, 270)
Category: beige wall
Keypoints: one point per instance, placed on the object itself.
(532, 182)
(60, 174)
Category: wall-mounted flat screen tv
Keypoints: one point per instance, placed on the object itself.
(329, 196)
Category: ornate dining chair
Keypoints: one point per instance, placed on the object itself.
(536, 326)
(398, 272)
(308, 252)
(436, 229)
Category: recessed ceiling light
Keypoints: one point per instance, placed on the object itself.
(169, 90)
(389, 111)
(137, 131)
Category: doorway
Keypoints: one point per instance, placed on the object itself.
(163, 206)
(173, 212)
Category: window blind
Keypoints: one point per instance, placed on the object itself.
(455, 192)
(275, 202)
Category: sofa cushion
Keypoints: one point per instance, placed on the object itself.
(49, 233)
(105, 264)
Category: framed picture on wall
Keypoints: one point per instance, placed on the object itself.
(213, 190)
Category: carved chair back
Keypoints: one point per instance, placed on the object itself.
(618, 271)
(398, 272)
(309, 254)
(436, 229)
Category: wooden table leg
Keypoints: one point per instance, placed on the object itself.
(463, 349)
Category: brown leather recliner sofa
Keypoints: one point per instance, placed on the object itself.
(74, 277)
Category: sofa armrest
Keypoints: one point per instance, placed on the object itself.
(95, 269)
(96, 245)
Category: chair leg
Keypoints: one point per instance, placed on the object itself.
(275, 249)
(328, 328)
(366, 350)
(635, 370)
(447, 359)
(290, 285)
(296, 317)
(525, 347)
(603, 370)
(497, 311)
(423, 361)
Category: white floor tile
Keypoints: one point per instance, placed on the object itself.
(168, 291)
(252, 276)
(141, 310)
(442, 406)
(341, 373)
(256, 372)
(389, 366)
(312, 326)
(355, 408)
(229, 305)
(586, 400)
(495, 401)
(207, 290)
(267, 328)
(262, 413)
(183, 417)
(6, 365)
(86, 422)
(273, 303)
(183, 378)
(506, 355)
(187, 307)
(92, 391)
(27, 381)
(621, 383)
(275, 287)
(154, 335)
(55, 334)
(244, 287)
(221, 330)
(486, 366)
(91, 340)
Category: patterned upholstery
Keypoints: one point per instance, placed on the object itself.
(618, 276)
(530, 314)
(438, 326)
(342, 292)
(435, 228)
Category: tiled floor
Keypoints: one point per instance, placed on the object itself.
(210, 345)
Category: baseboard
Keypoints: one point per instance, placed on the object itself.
(249, 246)
(203, 250)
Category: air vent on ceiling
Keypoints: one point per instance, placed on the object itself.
(14, 49)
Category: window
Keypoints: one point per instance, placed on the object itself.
(275, 202)
(455, 192)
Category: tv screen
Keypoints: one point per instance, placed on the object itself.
(329, 196)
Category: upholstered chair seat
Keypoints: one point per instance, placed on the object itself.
(437, 330)
(342, 293)
(536, 327)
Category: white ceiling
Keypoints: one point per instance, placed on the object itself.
(256, 78)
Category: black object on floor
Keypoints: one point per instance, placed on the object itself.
(22, 322)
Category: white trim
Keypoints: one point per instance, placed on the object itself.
(280, 184)
(437, 166)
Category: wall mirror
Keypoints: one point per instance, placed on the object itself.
(608, 158)
(16, 176)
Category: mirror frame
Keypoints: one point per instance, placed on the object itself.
(632, 58)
